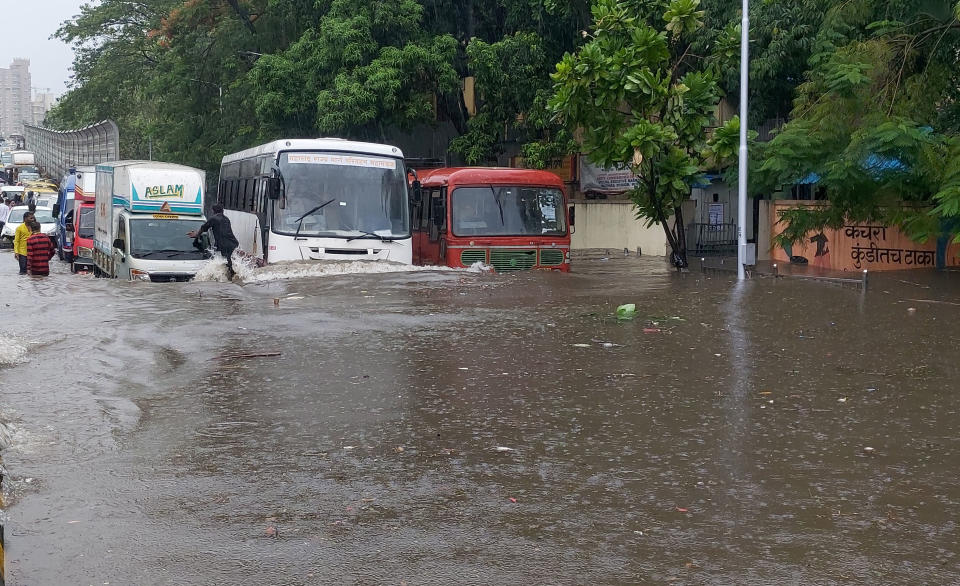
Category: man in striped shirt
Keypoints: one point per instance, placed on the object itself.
(39, 251)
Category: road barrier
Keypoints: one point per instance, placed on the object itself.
(57, 150)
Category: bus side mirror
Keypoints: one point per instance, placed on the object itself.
(417, 193)
(573, 216)
(56, 210)
(273, 188)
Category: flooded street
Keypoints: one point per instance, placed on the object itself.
(457, 427)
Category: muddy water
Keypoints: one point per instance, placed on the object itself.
(468, 428)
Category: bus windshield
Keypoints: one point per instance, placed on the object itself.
(508, 211)
(85, 227)
(342, 195)
(163, 239)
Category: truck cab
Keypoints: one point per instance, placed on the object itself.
(143, 212)
(76, 218)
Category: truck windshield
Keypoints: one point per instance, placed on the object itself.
(366, 194)
(508, 211)
(163, 239)
(85, 226)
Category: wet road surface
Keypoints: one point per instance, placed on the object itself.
(469, 428)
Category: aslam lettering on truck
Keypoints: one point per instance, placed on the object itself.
(161, 191)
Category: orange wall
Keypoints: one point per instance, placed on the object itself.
(860, 246)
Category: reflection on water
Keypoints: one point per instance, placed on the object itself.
(354, 428)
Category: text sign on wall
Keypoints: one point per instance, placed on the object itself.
(862, 246)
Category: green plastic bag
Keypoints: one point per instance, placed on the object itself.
(627, 311)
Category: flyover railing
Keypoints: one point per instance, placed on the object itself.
(57, 150)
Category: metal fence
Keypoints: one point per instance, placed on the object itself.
(57, 150)
(712, 238)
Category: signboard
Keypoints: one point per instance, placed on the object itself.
(562, 167)
(609, 181)
(342, 160)
(715, 214)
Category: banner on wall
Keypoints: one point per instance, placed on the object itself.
(607, 181)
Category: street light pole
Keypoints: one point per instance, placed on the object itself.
(742, 181)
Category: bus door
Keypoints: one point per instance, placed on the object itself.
(432, 234)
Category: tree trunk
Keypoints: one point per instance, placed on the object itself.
(680, 251)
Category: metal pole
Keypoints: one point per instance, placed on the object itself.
(742, 181)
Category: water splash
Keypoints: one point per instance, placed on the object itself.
(247, 271)
(13, 350)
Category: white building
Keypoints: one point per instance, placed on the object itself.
(42, 103)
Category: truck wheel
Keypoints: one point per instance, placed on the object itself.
(73, 268)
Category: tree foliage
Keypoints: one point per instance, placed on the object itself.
(640, 99)
(194, 79)
(875, 119)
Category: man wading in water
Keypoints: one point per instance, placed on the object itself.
(223, 236)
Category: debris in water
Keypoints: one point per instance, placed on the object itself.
(348, 448)
(911, 310)
(276, 301)
(842, 400)
(513, 500)
(681, 510)
(651, 330)
(627, 311)
(463, 368)
(271, 531)
(398, 449)
(503, 449)
(581, 345)
(868, 449)
(247, 355)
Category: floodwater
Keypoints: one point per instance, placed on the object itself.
(461, 427)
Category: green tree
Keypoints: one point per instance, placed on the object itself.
(363, 68)
(876, 120)
(641, 99)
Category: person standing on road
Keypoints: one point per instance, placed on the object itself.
(20, 242)
(4, 212)
(39, 251)
(223, 236)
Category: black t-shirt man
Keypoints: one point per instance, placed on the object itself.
(223, 236)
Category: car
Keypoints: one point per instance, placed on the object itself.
(48, 225)
(12, 192)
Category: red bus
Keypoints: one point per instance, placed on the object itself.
(510, 219)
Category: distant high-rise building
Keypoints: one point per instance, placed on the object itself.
(16, 106)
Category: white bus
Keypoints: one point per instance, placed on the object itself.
(318, 199)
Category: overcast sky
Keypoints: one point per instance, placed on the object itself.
(25, 30)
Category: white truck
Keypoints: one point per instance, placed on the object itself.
(144, 210)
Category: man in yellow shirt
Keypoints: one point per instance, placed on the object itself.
(20, 241)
